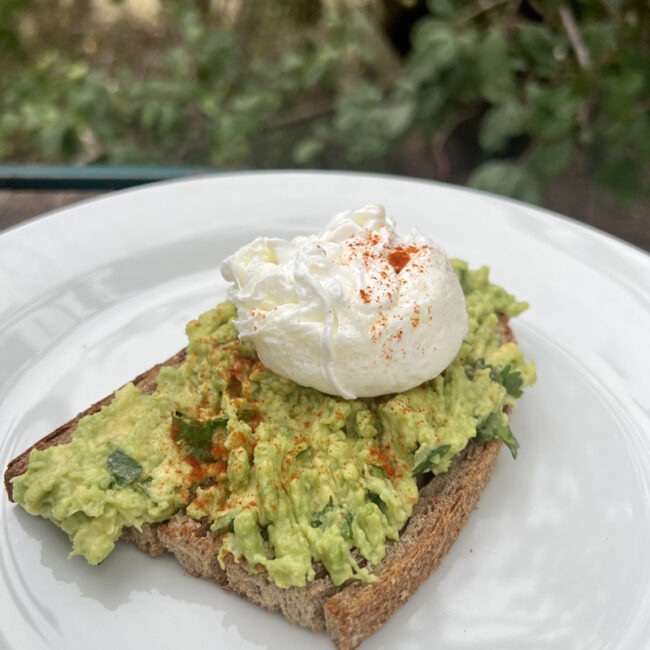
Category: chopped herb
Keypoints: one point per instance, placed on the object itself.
(471, 370)
(304, 454)
(144, 484)
(433, 457)
(496, 426)
(249, 414)
(318, 518)
(198, 436)
(511, 381)
(333, 514)
(224, 525)
(376, 499)
(346, 525)
(351, 427)
(377, 471)
(125, 470)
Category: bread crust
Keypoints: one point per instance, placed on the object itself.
(350, 612)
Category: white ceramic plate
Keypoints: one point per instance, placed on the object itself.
(556, 556)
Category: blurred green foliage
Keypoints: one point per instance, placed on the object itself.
(535, 84)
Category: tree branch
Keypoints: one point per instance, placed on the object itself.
(578, 45)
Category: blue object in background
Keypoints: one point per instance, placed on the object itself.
(104, 177)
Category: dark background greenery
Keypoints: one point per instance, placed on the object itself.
(506, 95)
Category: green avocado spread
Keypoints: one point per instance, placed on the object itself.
(285, 475)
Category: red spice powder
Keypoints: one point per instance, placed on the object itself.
(254, 420)
(202, 470)
(400, 256)
(415, 319)
(398, 259)
(206, 501)
(384, 460)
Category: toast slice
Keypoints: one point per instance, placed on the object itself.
(350, 612)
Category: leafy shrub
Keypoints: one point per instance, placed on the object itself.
(536, 83)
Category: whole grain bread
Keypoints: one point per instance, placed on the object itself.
(350, 612)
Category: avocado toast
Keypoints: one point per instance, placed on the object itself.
(352, 609)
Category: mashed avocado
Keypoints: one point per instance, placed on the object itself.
(286, 475)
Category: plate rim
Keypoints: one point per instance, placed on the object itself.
(217, 175)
